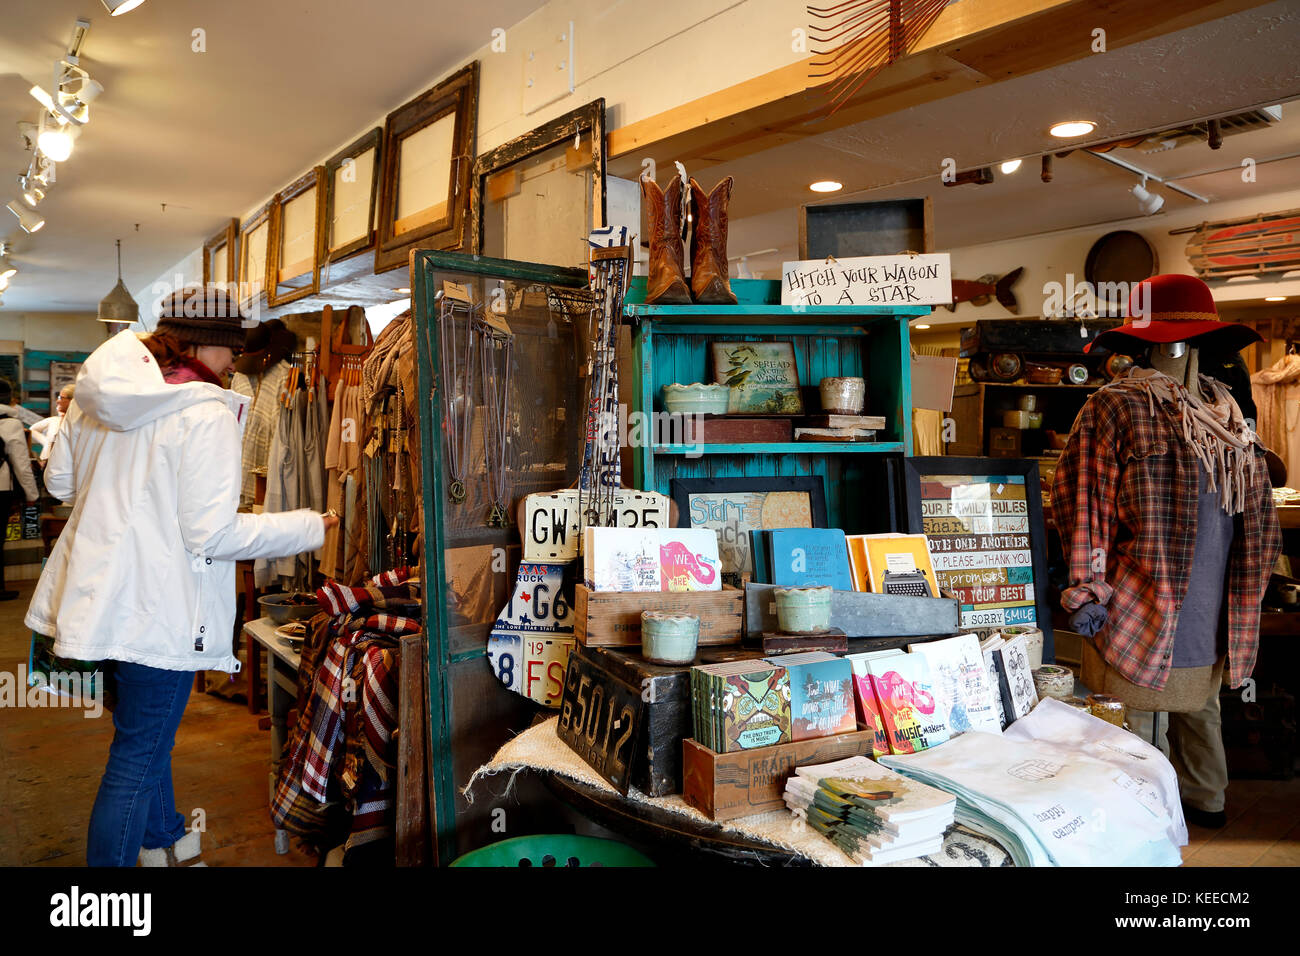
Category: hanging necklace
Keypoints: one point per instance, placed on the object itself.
(457, 422)
(496, 350)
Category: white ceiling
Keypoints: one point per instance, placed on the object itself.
(281, 85)
(1238, 62)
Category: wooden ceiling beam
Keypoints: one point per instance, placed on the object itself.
(972, 43)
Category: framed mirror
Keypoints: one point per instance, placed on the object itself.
(427, 152)
(351, 182)
(219, 255)
(537, 197)
(297, 239)
(254, 244)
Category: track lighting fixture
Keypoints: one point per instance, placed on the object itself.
(7, 269)
(116, 8)
(29, 219)
(55, 140)
(1150, 203)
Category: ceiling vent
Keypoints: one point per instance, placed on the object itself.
(1198, 133)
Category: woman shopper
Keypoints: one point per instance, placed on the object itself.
(15, 474)
(143, 575)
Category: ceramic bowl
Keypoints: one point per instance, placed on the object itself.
(696, 399)
(669, 638)
(803, 610)
(843, 396)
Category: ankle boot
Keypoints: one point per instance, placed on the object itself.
(710, 284)
(666, 284)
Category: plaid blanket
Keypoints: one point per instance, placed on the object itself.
(347, 693)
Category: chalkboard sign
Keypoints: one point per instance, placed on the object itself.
(984, 521)
(600, 717)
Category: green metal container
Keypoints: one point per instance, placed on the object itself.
(554, 849)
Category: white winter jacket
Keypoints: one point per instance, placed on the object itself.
(145, 568)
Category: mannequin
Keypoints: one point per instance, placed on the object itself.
(1165, 512)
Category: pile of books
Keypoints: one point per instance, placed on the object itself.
(740, 705)
(874, 815)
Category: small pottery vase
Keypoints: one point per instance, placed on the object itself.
(669, 638)
(843, 396)
(803, 610)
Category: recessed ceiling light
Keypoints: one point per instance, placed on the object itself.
(1073, 128)
(920, 326)
(1274, 298)
(402, 291)
(1010, 166)
(826, 186)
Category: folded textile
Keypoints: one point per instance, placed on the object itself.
(1048, 804)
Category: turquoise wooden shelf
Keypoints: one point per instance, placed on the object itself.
(672, 344)
(785, 448)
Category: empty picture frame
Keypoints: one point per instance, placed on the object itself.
(538, 196)
(254, 245)
(297, 239)
(219, 263)
(351, 187)
(427, 155)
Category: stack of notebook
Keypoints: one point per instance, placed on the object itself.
(875, 816)
(740, 705)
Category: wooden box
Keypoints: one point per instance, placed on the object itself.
(724, 430)
(1005, 442)
(613, 618)
(725, 786)
(657, 765)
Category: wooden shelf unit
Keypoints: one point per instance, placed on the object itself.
(978, 407)
(671, 344)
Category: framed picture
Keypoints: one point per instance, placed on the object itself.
(887, 227)
(254, 246)
(219, 266)
(733, 507)
(538, 196)
(297, 241)
(427, 154)
(763, 377)
(351, 184)
(983, 518)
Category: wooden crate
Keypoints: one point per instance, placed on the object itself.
(613, 618)
(657, 764)
(725, 786)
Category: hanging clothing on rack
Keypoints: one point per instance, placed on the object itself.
(295, 466)
(1277, 400)
(264, 390)
(342, 459)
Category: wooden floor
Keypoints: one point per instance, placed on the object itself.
(51, 760)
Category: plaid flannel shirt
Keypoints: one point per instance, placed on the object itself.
(1124, 500)
(354, 638)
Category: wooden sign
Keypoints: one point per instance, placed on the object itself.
(552, 529)
(868, 280)
(600, 717)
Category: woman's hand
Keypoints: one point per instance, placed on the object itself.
(331, 521)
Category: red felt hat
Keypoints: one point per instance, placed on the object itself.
(1174, 308)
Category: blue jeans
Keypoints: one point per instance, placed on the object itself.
(135, 806)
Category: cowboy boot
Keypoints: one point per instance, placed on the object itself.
(710, 284)
(666, 284)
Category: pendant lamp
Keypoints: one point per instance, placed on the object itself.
(118, 306)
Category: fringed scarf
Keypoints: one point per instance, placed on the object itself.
(1215, 430)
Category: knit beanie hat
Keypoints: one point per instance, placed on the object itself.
(198, 315)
